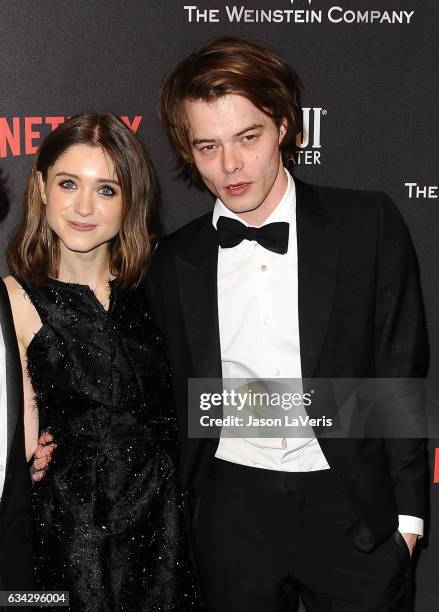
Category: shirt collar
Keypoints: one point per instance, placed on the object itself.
(284, 211)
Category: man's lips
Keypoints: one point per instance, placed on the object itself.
(81, 227)
(237, 188)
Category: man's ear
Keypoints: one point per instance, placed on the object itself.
(283, 128)
(42, 187)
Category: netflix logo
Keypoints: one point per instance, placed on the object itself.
(22, 135)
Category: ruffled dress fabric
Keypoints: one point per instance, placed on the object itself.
(109, 512)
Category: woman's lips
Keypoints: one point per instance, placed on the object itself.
(81, 227)
(237, 189)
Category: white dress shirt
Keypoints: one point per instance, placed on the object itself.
(3, 413)
(259, 338)
(259, 334)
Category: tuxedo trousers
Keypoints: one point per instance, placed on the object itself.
(265, 538)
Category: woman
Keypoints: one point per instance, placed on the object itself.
(109, 511)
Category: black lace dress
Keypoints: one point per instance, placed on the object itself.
(109, 511)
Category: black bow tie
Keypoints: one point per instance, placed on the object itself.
(273, 236)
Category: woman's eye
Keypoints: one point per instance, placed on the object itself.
(68, 184)
(208, 148)
(106, 191)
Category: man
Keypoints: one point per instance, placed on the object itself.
(335, 296)
(16, 527)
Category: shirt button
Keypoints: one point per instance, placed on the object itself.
(276, 372)
(2, 467)
(266, 320)
(263, 268)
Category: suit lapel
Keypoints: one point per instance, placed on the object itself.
(13, 370)
(197, 282)
(318, 254)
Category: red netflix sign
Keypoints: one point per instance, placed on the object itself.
(436, 466)
(22, 135)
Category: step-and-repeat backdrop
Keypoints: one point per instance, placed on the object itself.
(370, 109)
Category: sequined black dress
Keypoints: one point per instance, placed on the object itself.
(109, 512)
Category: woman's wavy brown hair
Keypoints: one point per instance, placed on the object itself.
(230, 66)
(34, 252)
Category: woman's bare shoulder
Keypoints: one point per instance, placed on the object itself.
(15, 291)
(26, 318)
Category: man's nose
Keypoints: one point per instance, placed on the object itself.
(232, 160)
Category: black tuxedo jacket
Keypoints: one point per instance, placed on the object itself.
(360, 315)
(16, 527)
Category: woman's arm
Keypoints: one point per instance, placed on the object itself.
(26, 322)
(31, 420)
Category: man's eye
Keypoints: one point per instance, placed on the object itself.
(68, 184)
(250, 137)
(106, 191)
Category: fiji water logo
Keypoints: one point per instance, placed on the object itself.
(309, 141)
